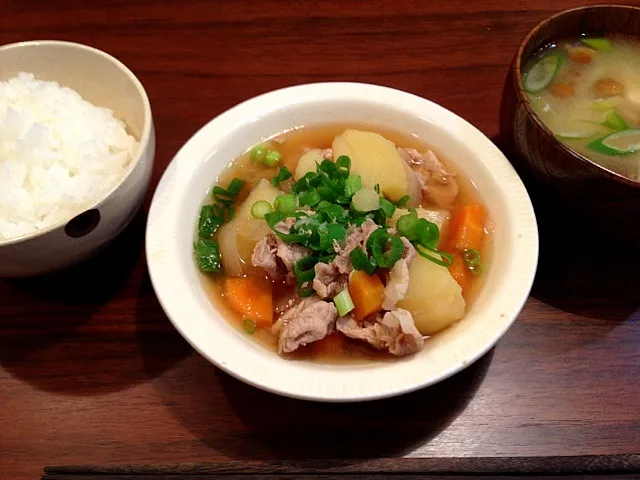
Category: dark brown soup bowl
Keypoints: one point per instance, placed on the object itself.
(584, 189)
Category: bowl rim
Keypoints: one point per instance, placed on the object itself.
(522, 94)
(143, 142)
(176, 294)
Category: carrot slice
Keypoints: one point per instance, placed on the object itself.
(459, 271)
(366, 292)
(467, 227)
(252, 298)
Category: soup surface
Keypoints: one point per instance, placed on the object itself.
(587, 91)
(283, 267)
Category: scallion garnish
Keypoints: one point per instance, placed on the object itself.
(260, 209)
(208, 222)
(403, 201)
(211, 218)
(427, 253)
(207, 255)
(424, 235)
(258, 154)
(283, 174)
(472, 259)
(249, 326)
(273, 158)
(309, 198)
(229, 195)
(352, 185)
(343, 302)
(361, 261)
(387, 207)
(386, 249)
(285, 204)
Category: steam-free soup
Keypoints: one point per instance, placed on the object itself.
(587, 91)
(342, 242)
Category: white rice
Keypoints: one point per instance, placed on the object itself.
(59, 154)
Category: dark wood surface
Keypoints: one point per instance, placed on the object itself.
(91, 370)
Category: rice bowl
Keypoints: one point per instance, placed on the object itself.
(112, 200)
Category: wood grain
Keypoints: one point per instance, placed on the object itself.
(92, 372)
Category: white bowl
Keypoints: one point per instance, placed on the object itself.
(104, 81)
(177, 282)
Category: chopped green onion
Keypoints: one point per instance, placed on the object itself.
(310, 198)
(273, 158)
(360, 261)
(260, 209)
(285, 203)
(378, 242)
(273, 219)
(377, 188)
(283, 174)
(343, 302)
(472, 259)
(258, 154)
(623, 142)
(601, 44)
(207, 255)
(418, 230)
(343, 166)
(542, 72)
(614, 121)
(249, 326)
(305, 269)
(403, 201)
(208, 222)
(387, 207)
(448, 258)
(366, 200)
(352, 185)
(229, 195)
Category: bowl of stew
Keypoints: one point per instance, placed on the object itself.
(341, 242)
(570, 115)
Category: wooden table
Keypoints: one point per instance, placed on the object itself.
(92, 371)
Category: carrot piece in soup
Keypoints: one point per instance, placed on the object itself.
(366, 292)
(460, 272)
(252, 298)
(467, 227)
(608, 87)
(562, 90)
(582, 55)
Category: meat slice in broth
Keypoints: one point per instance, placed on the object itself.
(278, 258)
(395, 332)
(309, 321)
(438, 185)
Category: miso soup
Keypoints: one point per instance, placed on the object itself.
(587, 92)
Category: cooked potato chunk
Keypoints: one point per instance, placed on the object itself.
(238, 238)
(307, 163)
(377, 161)
(433, 296)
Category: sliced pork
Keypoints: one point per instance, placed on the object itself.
(438, 185)
(397, 285)
(329, 280)
(395, 332)
(309, 321)
(277, 257)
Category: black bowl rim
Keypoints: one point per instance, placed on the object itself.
(599, 169)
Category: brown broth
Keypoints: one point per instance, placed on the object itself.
(335, 348)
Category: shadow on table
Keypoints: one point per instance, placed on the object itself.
(242, 422)
(75, 332)
(581, 269)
